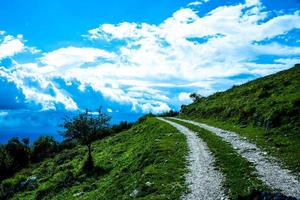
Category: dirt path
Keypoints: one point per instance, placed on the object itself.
(203, 180)
(268, 168)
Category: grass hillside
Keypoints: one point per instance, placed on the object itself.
(265, 110)
(145, 162)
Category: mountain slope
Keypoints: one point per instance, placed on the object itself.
(146, 162)
(266, 110)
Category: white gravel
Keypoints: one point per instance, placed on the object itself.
(203, 180)
(269, 169)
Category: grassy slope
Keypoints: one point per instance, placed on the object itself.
(152, 151)
(240, 177)
(266, 110)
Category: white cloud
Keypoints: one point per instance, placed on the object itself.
(197, 3)
(13, 45)
(155, 107)
(184, 98)
(185, 51)
(74, 56)
(20, 74)
(109, 110)
(3, 113)
(10, 46)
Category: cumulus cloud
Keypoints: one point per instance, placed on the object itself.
(154, 65)
(197, 3)
(184, 98)
(74, 56)
(10, 45)
(37, 87)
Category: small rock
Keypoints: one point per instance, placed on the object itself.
(28, 182)
(33, 178)
(77, 183)
(134, 193)
(148, 184)
(77, 194)
(23, 184)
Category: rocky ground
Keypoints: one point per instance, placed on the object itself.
(269, 169)
(203, 180)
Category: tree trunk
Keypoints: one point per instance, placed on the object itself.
(89, 163)
(90, 152)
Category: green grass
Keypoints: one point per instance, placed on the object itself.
(240, 177)
(149, 158)
(268, 108)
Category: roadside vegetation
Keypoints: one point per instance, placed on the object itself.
(146, 162)
(17, 154)
(266, 111)
(240, 176)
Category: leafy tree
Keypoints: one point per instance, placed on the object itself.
(170, 113)
(14, 156)
(44, 147)
(195, 97)
(85, 128)
(144, 117)
(18, 152)
(26, 141)
(123, 125)
(4, 163)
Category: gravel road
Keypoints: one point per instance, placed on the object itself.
(203, 180)
(268, 168)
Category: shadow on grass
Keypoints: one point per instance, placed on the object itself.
(68, 180)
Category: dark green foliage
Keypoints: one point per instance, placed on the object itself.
(14, 156)
(4, 163)
(143, 118)
(122, 126)
(44, 147)
(86, 126)
(67, 144)
(170, 113)
(196, 97)
(18, 152)
(26, 141)
(7, 190)
(269, 104)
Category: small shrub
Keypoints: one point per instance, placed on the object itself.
(43, 148)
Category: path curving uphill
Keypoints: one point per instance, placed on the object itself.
(203, 180)
(268, 168)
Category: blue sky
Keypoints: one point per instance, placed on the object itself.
(132, 57)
